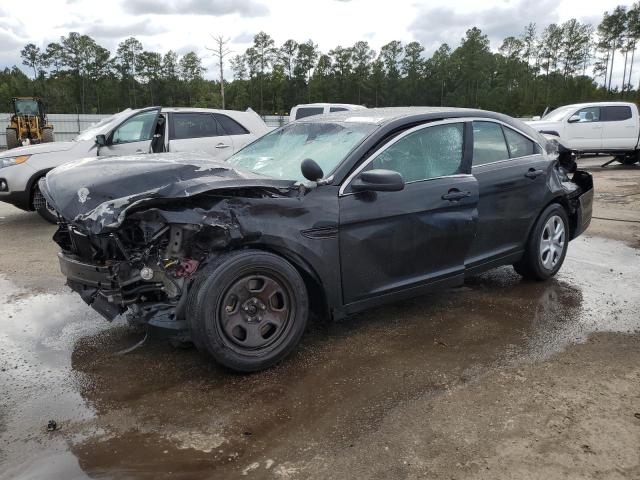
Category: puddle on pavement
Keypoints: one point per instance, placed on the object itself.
(163, 412)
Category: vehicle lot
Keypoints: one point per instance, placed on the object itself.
(498, 379)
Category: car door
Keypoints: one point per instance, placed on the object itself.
(619, 128)
(511, 173)
(196, 131)
(132, 136)
(583, 131)
(393, 241)
(238, 134)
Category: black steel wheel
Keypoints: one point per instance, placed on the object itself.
(250, 310)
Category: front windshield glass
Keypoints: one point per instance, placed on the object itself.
(557, 114)
(103, 126)
(280, 153)
(27, 107)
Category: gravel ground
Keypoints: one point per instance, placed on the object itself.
(499, 379)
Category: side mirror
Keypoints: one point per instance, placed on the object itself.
(101, 140)
(574, 119)
(311, 170)
(535, 117)
(378, 180)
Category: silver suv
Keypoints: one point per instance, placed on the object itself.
(220, 133)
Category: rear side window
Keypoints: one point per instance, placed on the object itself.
(337, 109)
(488, 143)
(519, 145)
(616, 114)
(309, 111)
(426, 153)
(193, 125)
(230, 126)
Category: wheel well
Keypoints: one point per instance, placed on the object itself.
(318, 303)
(571, 215)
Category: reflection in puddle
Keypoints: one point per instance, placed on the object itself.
(165, 410)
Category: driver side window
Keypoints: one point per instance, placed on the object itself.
(589, 114)
(136, 129)
(426, 153)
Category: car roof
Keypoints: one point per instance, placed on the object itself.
(321, 104)
(197, 110)
(597, 104)
(407, 115)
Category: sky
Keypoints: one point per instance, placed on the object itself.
(184, 25)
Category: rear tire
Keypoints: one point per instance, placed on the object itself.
(41, 206)
(248, 310)
(47, 135)
(12, 138)
(547, 245)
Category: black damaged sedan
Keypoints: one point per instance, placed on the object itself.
(332, 214)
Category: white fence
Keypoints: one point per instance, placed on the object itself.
(67, 125)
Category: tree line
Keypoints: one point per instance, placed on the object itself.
(538, 69)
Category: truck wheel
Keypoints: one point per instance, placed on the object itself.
(12, 138)
(547, 245)
(41, 206)
(250, 310)
(629, 158)
(47, 135)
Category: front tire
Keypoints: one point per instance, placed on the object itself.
(47, 135)
(41, 206)
(249, 311)
(547, 245)
(12, 138)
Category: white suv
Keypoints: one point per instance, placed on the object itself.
(220, 133)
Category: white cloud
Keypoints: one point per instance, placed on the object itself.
(183, 25)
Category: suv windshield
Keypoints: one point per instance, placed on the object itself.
(280, 153)
(103, 126)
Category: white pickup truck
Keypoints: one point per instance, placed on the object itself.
(599, 127)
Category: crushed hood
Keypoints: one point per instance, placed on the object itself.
(94, 194)
(39, 148)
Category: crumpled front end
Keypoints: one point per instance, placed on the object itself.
(134, 231)
(144, 268)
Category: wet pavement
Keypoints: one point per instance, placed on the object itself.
(161, 412)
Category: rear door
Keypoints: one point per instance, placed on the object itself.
(394, 241)
(239, 134)
(584, 130)
(619, 128)
(511, 173)
(195, 131)
(132, 136)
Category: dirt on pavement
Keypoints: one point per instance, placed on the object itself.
(498, 379)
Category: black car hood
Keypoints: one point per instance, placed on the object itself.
(94, 194)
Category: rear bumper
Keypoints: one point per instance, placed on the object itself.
(584, 212)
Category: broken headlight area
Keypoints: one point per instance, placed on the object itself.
(144, 268)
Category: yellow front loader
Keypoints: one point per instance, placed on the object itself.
(28, 123)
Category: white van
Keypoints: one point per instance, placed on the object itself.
(306, 110)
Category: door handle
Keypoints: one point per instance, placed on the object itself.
(139, 151)
(533, 173)
(222, 145)
(454, 195)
